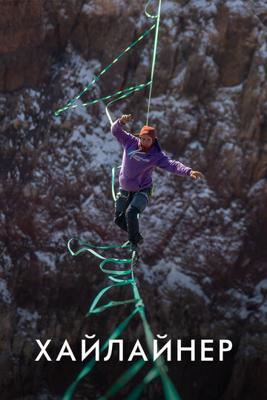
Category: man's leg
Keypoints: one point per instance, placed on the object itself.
(136, 206)
(122, 201)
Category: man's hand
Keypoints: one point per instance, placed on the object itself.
(126, 118)
(196, 174)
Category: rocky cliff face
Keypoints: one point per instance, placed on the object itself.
(203, 267)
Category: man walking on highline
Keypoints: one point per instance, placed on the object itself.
(140, 157)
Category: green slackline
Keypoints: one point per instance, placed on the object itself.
(159, 369)
(154, 59)
(70, 104)
(150, 83)
(90, 365)
(122, 277)
(127, 91)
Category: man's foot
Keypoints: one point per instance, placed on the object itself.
(133, 245)
(139, 239)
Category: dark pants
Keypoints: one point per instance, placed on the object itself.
(127, 207)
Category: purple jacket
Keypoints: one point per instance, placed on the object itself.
(137, 166)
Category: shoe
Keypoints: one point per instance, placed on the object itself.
(130, 245)
(139, 238)
(133, 246)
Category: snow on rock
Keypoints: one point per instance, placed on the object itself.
(172, 278)
(239, 7)
(47, 260)
(5, 294)
(27, 319)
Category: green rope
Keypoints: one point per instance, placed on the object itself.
(127, 91)
(90, 365)
(150, 83)
(90, 85)
(154, 59)
(159, 368)
(124, 379)
(137, 391)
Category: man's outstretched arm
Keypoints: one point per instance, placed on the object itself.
(176, 167)
(117, 129)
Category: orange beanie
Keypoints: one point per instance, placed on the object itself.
(148, 130)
